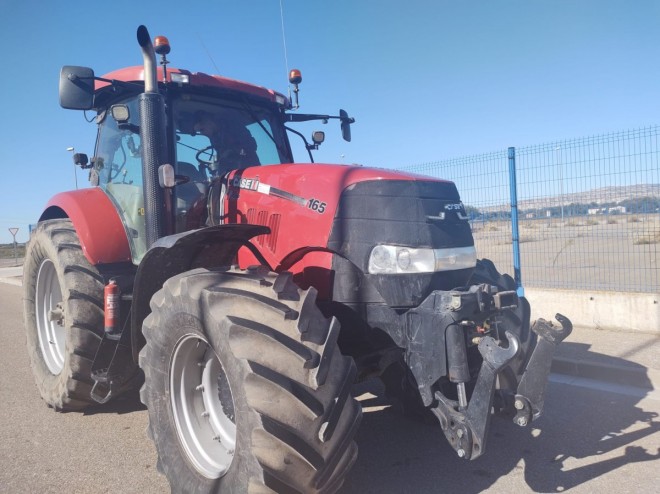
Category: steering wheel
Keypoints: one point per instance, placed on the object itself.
(208, 163)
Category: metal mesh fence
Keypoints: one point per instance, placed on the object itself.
(589, 210)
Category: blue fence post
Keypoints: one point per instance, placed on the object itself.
(515, 237)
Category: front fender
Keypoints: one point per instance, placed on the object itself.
(211, 247)
(97, 223)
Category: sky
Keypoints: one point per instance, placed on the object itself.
(425, 80)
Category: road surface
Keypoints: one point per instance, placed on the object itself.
(589, 441)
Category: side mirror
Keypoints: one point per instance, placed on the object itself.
(76, 88)
(346, 122)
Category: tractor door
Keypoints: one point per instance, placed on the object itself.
(118, 166)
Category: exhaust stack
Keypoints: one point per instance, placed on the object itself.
(149, 60)
(154, 143)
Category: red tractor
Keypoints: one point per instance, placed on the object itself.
(247, 294)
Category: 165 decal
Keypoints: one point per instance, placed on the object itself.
(316, 205)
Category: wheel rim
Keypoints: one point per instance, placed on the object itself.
(50, 317)
(203, 406)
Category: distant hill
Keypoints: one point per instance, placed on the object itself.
(602, 195)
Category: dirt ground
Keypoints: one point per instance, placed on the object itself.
(615, 253)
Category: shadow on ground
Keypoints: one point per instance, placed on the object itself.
(583, 434)
(578, 359)
(126, 403)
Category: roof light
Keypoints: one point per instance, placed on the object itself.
(318, 137)
(120, 113)
(161, 45)
(295, 76)
(179, 78)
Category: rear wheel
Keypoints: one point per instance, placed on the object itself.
(63, 302)
(245, 385)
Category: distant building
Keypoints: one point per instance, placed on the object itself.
(612, 210)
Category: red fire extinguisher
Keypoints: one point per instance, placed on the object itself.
(112, 305)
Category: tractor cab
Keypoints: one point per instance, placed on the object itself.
(212, 125)
(208, 136)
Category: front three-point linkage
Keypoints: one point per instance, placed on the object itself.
(531, 390)
(467, 428)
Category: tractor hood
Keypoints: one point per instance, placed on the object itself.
(346, 209)
(307, 194)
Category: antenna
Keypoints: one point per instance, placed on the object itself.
(286, 60)
(217, 70)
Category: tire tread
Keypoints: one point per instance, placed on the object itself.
(303, 372)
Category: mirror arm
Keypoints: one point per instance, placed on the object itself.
(115, 82)
(307, 144)
(303, 117)
(343, 117)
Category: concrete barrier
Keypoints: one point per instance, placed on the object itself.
(615, 311)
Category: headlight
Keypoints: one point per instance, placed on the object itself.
(392, 259)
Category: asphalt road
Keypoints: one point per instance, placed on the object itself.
(589, 440)
(11, 262)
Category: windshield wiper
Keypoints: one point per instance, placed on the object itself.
(247, 107)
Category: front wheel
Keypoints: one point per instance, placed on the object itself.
(245, 385)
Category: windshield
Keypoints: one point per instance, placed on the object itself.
(217, 136)
(213, 137)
